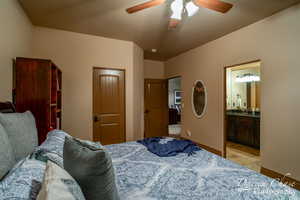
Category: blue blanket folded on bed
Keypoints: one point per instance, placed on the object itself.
(166, 147)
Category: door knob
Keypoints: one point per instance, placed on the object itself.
(96, 119)
(147, 111)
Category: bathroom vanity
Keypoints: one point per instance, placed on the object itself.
(243, 128)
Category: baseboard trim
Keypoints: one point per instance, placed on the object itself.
(207, 148)
(272, 174)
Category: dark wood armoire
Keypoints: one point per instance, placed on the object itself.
(37, 88)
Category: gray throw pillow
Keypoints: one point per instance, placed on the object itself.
(7, 157)
(92, 168)
(21, 131)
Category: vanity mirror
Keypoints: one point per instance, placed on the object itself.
(199, 99)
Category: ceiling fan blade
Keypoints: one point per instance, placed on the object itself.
(173, 23)
(215, 5)
(145, 5)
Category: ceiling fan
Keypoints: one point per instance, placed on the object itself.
(180, 7)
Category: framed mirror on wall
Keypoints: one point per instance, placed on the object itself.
(199, 99)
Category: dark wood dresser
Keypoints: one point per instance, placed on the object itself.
(37, 88)
(174, 116)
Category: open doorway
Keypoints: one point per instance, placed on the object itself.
(175, 107)
(242, 114)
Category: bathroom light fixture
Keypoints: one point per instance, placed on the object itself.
(247, 78)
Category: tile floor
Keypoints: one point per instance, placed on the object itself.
(243, 155)
(175, 129)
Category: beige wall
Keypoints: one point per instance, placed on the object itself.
(15, 41)
(76, 55)
(274, 40)
(154, 69)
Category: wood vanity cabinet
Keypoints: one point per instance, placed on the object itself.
(257, 133)
(230, 128)
(244, 130)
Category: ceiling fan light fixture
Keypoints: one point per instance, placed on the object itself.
(177, 7)
(191, 8)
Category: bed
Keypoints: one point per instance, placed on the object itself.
(141, 175)
(205, 176)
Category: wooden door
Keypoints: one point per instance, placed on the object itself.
(109, 106)
(156, 108)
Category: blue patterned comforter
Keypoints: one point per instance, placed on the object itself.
(142, 175)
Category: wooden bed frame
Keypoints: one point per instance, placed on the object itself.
(7, 107)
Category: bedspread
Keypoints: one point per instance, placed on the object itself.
(142, 175)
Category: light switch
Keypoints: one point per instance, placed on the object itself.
(189, 133)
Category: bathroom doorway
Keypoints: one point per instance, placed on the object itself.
(242, 114)
(175, 106)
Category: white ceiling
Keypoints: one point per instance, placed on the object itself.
(148, 28)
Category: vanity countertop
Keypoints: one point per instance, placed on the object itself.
(243, 114)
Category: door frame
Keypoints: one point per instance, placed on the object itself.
(169, 78)
(172, 77)
(167, 102)
(225, 102)
(125, 95)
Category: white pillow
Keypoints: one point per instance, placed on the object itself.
(58, 184)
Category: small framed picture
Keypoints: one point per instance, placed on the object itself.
(177, 97)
